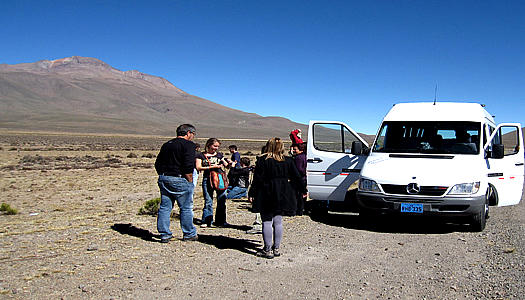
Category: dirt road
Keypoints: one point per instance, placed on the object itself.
(78, 236)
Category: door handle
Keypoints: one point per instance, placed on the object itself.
(519, 164)
(315, 159)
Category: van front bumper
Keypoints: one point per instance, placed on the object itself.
(443, 206)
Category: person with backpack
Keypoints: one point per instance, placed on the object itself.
(212, 159)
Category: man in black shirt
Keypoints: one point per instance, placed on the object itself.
(175, 164)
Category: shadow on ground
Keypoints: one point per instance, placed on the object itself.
(390, 223)
(239, 227)
(221, 242)
(225, 242)
(135, 231)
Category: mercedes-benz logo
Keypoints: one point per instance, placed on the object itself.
(413, 188)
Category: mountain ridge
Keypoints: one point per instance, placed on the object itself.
(86, 95)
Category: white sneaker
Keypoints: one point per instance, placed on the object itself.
(254, 230)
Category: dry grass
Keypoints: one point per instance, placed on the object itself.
(78, 199)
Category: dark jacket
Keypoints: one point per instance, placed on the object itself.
(300, 163)
(239, 177)
(271, 189)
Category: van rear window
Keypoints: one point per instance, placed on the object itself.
(429, 137)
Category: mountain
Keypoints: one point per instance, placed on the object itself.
(86, 95)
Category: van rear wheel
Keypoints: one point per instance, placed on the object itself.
(479, 220)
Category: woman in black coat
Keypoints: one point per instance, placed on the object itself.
(272, 194)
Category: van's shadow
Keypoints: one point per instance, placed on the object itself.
(135, 231)
(391, 223)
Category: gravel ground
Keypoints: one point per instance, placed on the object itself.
(78, 235)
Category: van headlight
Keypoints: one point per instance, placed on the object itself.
(368, 185)
(465, 188)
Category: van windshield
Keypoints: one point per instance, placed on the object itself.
(429, 137)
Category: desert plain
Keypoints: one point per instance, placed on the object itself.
(77, 234)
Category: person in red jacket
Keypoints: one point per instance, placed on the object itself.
(299, 158)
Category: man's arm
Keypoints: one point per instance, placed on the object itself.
(189, 177)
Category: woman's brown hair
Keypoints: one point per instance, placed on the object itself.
(275, 149)
(210, 142)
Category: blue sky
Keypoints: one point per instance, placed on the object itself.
(326, 60)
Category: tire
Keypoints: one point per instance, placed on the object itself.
(479, 220)
(493, 196)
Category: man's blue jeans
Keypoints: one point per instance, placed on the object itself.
(180, 190)
(236, 192)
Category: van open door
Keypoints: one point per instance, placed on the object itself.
(505, 159)
(335, 157)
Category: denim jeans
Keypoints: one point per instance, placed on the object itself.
(236, 192)
(207, 211)
(175, 189)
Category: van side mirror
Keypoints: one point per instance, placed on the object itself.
(498, 151)
(357, 148)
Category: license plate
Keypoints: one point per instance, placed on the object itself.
(412, 208)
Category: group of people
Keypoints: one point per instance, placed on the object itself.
(211, 159)
(278, 187)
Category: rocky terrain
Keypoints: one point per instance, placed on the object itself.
(78, 235)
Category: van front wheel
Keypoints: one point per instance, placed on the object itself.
(479, 220)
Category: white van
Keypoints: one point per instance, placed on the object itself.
(446, 159)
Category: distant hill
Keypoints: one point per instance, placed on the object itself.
(86, 95)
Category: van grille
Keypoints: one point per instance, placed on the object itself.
(424, 190)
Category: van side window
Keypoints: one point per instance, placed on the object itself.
(509, 137)
(333, 138)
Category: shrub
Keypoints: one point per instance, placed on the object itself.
(132, 155)
(149, 155)
(7, 209)
(151, 207)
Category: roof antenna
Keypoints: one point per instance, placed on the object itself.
(435, 94)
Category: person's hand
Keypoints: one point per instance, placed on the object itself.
(250, 199)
